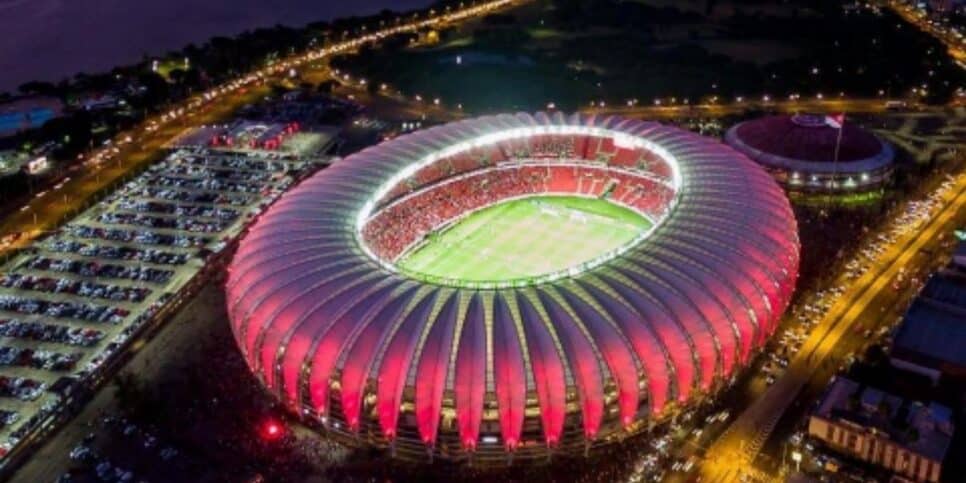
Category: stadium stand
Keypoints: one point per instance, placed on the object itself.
(436, 199)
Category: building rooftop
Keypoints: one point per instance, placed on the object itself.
(28, 113)
(925, 428)
(935, 325)
(959, 256)
(934, 330)
(946, 286)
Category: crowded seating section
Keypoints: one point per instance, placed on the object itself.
(450, 188)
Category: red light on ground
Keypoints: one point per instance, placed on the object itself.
(272, 430)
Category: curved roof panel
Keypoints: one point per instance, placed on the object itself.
(331, 329)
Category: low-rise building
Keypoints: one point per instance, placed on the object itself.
(959, 256)
(906, 437)
(28, 113)
(932, 335)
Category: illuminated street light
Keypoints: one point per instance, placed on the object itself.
(797, 458)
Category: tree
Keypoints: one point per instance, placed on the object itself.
(326, 87)
(156, 90)
(177, 76)
(128, 390)
(38, 88)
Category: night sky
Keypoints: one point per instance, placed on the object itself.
(50, 39)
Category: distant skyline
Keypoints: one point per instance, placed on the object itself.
(52, 39)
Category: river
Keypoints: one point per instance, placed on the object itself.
(53, 39)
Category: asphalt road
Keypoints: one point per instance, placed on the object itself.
(862, 303)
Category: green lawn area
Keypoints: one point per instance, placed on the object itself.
(525, 238)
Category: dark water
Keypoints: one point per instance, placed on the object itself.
(51, 39)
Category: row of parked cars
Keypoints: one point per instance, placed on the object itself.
(38, 359)
(237, 163)
(167, 223)
(146, 255)
(233, 199)
(205, 184)
(141, 237)
(8, 417)
(179, 209)
(22, 388)
(43, 332)
(83, 288)
(195, 171)
(63, 310)
(100, 270)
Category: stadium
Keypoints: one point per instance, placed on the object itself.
(806, 154)
(514, 286)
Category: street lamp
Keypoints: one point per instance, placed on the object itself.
(797, 458)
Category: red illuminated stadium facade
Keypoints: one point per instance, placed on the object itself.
(556, 363)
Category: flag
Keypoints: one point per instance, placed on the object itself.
(835, 120)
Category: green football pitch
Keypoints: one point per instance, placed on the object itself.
(525, 238)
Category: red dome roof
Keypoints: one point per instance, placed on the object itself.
(808, 138)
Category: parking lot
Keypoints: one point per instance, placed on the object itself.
(70, 301)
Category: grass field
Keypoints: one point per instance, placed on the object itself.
(525, 238)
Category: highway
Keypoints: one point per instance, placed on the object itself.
(733, 454)
(956, 47)
(710, 110)
(45, 212)
(132, 150)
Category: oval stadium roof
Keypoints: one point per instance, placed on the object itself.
(330, 329)
(805, 143)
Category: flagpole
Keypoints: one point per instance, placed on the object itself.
(838, 144)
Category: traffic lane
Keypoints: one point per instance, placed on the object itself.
(763, 414)
(50, 209)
